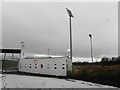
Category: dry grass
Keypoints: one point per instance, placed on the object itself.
(100, 74)
(98, 67)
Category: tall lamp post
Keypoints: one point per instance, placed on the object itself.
(70, 16)
(90, 35)
(48, 52)
(22, 48)
(68, 53)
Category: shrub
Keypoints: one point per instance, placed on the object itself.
(99, 74)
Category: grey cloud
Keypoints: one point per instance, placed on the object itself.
(46, 25)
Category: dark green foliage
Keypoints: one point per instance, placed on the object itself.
(108, 75)
(0, 64)
(8, 63)
(104, 61)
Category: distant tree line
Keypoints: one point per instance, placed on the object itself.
(110, 61)
(104, 61)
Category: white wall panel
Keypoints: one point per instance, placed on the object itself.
(49, 65)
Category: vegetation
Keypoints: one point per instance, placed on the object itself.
(104, 61)
(9, 63)
(0, 64)
(105, 72)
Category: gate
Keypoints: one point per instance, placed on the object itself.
(10, 59)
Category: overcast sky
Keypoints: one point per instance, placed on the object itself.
(46, 25)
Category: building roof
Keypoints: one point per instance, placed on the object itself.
(12, 50)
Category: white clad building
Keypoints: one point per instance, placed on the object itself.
(59, 66)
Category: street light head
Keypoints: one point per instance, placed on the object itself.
(90, 35)
(68, 50)
(22, 42)
(69, 12)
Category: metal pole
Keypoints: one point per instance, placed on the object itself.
(12, 56)
(22, 49)
(48, 52)
(70, 15)
(70, 39)
(3, 63)
(91, 50)
(91, 47)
